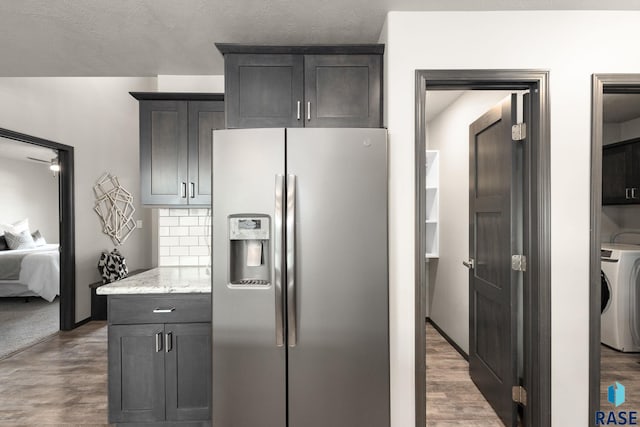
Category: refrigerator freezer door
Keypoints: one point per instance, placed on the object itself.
(339, 369)
(249, 379)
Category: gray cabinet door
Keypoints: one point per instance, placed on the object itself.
(263, 90)
(204, 117)
(136, 373)
(343, 90)
(188, 371)
(163, 152)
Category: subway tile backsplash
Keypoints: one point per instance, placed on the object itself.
(184, 237)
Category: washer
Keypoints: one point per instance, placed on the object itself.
(620, 281)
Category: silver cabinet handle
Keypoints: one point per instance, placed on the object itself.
(278, 259)
(309, 110)
(471, 264)
(626, 193)
(292, 310)
(158, 342)
(634, 192)
(164, 310)
(169, 345)
(192, 190)
(184, 190)
(298, 116)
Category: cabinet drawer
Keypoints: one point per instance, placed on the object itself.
(127, 309)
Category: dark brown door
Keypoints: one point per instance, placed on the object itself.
(204, 117)
(493, 218)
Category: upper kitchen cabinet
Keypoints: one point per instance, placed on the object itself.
(265, 90)
(175, 146)
(303, 86)
(621, 173)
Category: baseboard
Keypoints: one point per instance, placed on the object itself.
(82, 322)
(448, 338)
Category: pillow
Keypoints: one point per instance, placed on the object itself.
(3, 244)
(16, 227)
(38, 240)
(22, 240)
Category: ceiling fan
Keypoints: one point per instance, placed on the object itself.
(39, 160)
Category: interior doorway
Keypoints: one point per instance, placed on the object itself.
(614, 239)
(66, 222)
(536, 375)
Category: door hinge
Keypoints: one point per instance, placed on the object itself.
(519, 132)
(519, 395)
(518, 262)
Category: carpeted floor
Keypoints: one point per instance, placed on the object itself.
(25, 323)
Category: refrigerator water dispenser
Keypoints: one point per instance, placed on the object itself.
(249, 250)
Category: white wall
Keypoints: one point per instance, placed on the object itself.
(572, 45)
(172, 83)
(29, 190)
(448, 280)
(99, 119)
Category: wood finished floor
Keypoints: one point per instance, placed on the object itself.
(63, 382)
(452, 398)
(624, 368)
(58, 382)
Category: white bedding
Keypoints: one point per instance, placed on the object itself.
(39, 272)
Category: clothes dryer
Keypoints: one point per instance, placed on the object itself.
(620, 284)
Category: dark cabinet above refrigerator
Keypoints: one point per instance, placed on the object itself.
(303, 86)
(175, 146)
(621, 173)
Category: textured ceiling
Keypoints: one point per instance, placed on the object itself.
(151, 37)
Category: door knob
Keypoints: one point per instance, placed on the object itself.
(469, 264)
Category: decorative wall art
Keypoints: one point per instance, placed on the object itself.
(114, 206)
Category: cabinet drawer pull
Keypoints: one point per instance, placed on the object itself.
(298, 115)
(184, 190)
(169, 345)
(192, 190)
(158, 342)
(309, 110)
(164, 310)
(634, 193)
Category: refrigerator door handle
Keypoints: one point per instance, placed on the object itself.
(278, 259)
(292, 309)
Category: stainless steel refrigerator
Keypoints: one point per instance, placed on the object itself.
(300, 278)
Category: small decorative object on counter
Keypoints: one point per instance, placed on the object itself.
(114, 206)
(112, 266)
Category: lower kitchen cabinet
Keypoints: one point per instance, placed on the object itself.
(159, 373)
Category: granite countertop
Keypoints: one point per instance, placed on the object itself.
(162, 280)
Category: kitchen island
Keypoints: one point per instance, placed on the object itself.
(160, 347)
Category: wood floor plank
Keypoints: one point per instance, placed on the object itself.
(623, 368)
(452, 398)
(58, 382)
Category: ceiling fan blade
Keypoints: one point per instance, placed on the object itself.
(38, 160)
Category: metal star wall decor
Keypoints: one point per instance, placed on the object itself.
(114, 206)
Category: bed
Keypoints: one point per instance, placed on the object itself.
(30, 272)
